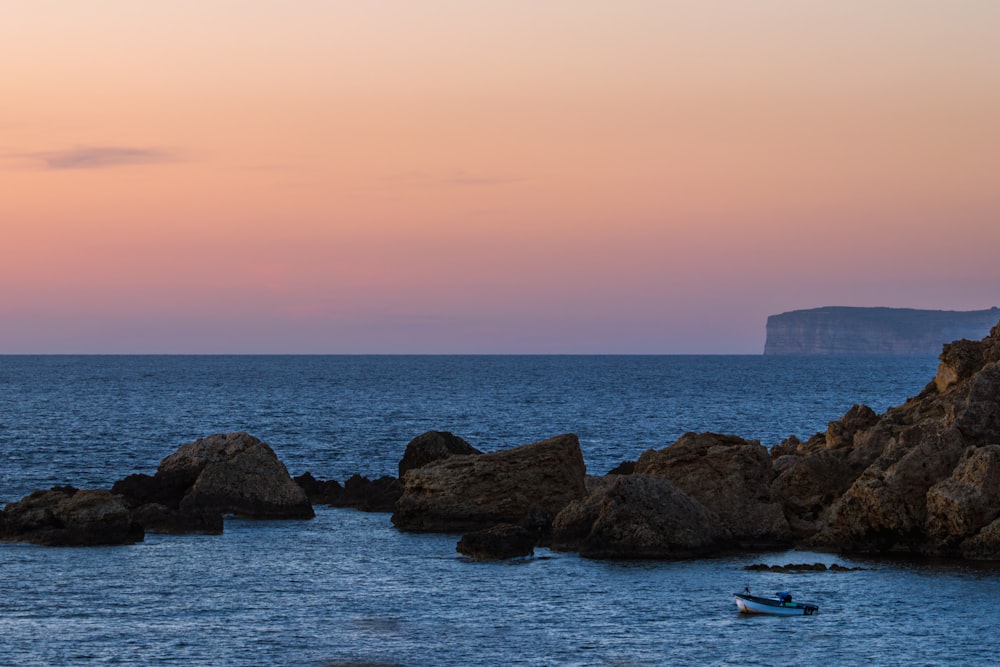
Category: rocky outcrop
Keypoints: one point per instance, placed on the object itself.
(731, 477)
(231, 473)
(358, 492)
(500, 542)
(845, 330)
(923, 478)
(636, 516)
(433, 446)
(525, 485)
(960, 505)
(155, 505)
(65, 516)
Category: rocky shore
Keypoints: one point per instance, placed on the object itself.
(922, 478)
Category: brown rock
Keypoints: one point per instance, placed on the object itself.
(808, 485)
(531, 483)
(232, 473)
(502, 541)
(885, 509)
(731, 477)
(64, 516)
(959, 506)
(636, 516)
(320, 491)
(433, 446)
(840, 433)
(984, 545)
(959, 360)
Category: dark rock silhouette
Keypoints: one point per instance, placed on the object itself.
(923, 477)
(731, 477)
(320, 491)
(433, 446)
(231, 473)
(358, 492)
(155, 505)
(499, 542)
(235, 473)
(531, 484)
(636, 516)
(64, 516)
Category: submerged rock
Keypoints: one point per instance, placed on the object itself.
(64, 516)
(499, 542)
(527, 484)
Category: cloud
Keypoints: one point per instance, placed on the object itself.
(100, 157)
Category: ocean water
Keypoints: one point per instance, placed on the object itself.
(347, 588)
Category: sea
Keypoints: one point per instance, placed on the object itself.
(346, 588)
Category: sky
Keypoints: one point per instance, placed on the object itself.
(463, 176)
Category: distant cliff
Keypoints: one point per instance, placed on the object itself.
(844, 330)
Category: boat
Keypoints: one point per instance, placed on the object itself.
(780, 605)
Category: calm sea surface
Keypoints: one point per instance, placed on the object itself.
(346, 587)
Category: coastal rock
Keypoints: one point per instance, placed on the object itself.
(320, 491)
(959, 506)
(984, 545)
(811, 475)
(885, 508)
(926, 488)
(155, 505)
(231, 473)
(157, 518)
(921, 478)
(807, 486)
(433, 446)
(840, 433)
(358, 492)
(959, 360)
(531, 483)
(378, 495)
(65, 516)
(731, 477)
(636, 516)
(497, 543)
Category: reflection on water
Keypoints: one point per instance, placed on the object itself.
(347, 587)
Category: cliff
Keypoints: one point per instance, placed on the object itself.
(845, 330)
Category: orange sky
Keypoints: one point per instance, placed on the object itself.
(452, 176)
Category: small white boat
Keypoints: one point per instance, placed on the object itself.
(780, 605)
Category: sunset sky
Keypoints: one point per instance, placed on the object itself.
(456, 176)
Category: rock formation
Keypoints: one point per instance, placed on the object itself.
(502, 541)
(844, 330)
(527, 484)
(433, 446)
(922, 478)
(231, 473)
(731, 477)
(636, 516)
(358, 492)
(65, 516)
